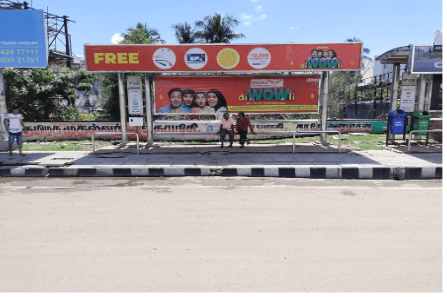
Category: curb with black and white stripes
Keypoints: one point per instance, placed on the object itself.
(313, 172)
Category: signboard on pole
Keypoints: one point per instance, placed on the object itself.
(134, 95)
(407, 98)
(218, 58)
(23, 39)
(425, 59)
(249, 94)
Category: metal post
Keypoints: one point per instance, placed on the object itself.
(122, 97)
(324, 103)
(395, 89)
(150, 130)
(67, 41)
(430, 90)
(3, 109)
(421, 94)
(395, 86)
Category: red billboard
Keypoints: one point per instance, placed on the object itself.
(250, 94)
(255, 58)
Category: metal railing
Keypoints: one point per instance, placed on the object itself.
(265, 133)
(416, 131)
(122, 133)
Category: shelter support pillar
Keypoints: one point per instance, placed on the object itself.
(395, 89)
(150, 130)
(324, 102)
(421, 97)
(3, 109)
(122, 97)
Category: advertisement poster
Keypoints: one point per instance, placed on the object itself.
(134, 95)
(218, 58)
(424, 59)
(436, 93)
(23, 39)
(233, 94)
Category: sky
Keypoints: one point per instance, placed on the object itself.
(381, 24)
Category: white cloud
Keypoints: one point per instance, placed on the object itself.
(254, 0)
(116, 38)
(247, 23)
(262, 17)
(246, 16)
(258, 8)
(294, 28)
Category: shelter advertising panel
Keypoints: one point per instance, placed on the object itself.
(254, 58)
(255, 94)
(425, 59)
(23, 39)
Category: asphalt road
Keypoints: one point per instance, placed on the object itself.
(214, 234)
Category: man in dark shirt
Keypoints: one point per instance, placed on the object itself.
(242, 125)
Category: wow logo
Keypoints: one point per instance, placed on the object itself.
(322, 63)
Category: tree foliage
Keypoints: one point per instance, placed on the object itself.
(342, 86)
(218, 28)
(39, 92)
(141, 34)
(184, 33)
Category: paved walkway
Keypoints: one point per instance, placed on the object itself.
(253, 160)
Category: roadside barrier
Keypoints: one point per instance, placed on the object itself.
(294, 133)
(416, 131)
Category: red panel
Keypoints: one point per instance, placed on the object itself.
(222, 58)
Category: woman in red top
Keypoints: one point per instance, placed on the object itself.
(242, 125)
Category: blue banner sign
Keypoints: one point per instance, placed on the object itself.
(23, 39)
(425, 59)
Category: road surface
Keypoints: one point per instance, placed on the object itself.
(215, 234)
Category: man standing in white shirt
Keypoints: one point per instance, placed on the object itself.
(14, 129)
(226, 127)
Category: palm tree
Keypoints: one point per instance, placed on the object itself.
(184, 33)
(218, 28)
(365, 50)
(141, 34)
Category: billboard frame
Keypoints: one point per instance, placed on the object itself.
(44, 37)
(411, 59)
(154, 112)
(220, 71)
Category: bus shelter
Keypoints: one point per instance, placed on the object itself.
(422, 80)
(245, 78)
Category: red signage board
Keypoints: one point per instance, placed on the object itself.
(255, 58)
(250, 94)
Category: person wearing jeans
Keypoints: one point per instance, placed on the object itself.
(226, 127)
(14, 128)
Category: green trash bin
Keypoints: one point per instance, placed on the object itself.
(421, 121)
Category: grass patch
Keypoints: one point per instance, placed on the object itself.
(64, 146)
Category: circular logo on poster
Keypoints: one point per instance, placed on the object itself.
(228, 58)
(259, 58)
(164, 58)
(196, 58)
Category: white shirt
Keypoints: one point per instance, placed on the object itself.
(226, 124)
(14, 122)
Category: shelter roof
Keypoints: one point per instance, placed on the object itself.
(397, 55)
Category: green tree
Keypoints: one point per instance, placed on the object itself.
(184, 33)
(39, 92)
(141, 34)
(342, 86)
(218, 28)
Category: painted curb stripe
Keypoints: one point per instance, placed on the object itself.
(350, 173)
(317, 173)
(381, 173)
